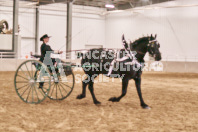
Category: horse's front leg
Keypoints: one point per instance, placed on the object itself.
(138, 87)
(125, 82)
(91, 89)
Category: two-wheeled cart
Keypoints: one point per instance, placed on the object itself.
(34, 81)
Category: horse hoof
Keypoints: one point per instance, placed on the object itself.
(97, 103)
(80, 96)
(114, 99)
(146, 107)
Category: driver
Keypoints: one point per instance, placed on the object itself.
(45, 54)
(46, 49)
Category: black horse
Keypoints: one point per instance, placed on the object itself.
(101, 61)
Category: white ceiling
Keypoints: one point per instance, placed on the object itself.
(119, 4)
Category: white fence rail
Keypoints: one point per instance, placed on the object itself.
(171, 63)
(4, 55)
(180, 58)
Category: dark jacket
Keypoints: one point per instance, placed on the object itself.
(44, 53)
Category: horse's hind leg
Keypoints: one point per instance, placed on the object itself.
(125, 82)
(84, 85)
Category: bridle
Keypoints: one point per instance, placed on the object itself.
(150, 45)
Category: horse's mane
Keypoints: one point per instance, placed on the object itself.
(138, 41)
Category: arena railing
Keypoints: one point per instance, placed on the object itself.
(6, 55)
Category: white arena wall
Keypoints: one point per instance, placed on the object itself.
(176, 28)
(88, 27)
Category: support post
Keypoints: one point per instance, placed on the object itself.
(69, 30)
(37, 30)
(15, 31)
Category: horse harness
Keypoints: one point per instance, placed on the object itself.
(130, 55)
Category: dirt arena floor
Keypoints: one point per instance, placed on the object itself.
(173, 99)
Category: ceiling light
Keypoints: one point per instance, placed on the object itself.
(109, 6)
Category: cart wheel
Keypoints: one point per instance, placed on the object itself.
(29, 77)
(61, 86)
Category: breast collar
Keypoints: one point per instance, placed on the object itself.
(129, 55)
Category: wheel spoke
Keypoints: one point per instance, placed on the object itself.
(65, 85)
(22, 82)
(22, 86)
(28, 93)
(44, 88)
(60, 91)
(22, 77)
(56, 91)
(52, 84)
(27, 70)
(64, 88)
(41, 92)
(32, 94)
(23, 72)
(36, 93)
(24, 91)
(52, 90)
(32, 70)
(47, 89)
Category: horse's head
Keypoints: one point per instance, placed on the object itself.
(145, 44)
(153, 47)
